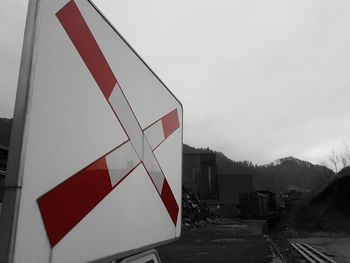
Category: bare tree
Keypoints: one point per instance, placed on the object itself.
(346, 154)
(334, 159)
(344, 160)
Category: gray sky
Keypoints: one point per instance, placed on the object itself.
(258, 80)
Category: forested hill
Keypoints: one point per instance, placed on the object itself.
(293, 171)
(5, 131)
(276, 176)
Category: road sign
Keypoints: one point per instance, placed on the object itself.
(101, 147)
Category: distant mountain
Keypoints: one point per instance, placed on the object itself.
(290, 159)
(276, 176)
(292, 171)
(5, 131)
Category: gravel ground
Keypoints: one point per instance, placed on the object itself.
(285, 230)
(224, 242)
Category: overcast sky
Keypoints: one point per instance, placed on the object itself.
(259, 80)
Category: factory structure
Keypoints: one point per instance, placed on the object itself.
(220, 191)
(200, 174)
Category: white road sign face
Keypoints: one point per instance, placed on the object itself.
(102, 154)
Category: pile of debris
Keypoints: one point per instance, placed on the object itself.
(195, 212)
(330, 209)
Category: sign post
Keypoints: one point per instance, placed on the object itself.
(97, 161)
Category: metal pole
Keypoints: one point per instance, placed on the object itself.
(13, 179)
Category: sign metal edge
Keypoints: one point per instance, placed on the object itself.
(18, 141)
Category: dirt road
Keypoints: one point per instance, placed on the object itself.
(227, 242)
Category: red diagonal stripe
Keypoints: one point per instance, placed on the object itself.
(85, 43)
(169, 201)
(65, 205)
(170, 123)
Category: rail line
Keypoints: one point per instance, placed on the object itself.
(275, 249)
(311, 254)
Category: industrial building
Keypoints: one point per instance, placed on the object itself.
(200, 174)
(231, 185)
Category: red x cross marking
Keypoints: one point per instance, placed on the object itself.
(65, 205)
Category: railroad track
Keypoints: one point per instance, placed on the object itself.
(275, 249)
(311, 254)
